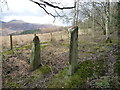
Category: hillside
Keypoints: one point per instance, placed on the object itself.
(16, 26)
(21, 25)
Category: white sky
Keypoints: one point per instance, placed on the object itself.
(29, 12)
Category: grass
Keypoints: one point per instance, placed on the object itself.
(9, 52)
(21, 40)
(87, 69)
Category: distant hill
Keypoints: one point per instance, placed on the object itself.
(21, 25)
(2, 22)
(16, 21)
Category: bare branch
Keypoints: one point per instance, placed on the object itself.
(55, 2)
(43, 6)
(47, 11)
(59, 14)
(51, 5)
(38, 3)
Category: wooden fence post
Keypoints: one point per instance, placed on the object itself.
(11, 44)
(73, 50)
(51, 36)
(35, 60)
(61, 35)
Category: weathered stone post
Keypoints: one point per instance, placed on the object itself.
(11, 44)
(73, 50)
(35, 60)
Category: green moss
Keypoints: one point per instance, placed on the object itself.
(76, 81)
(60, 80)
(33, 78)
(14, 84)
(79, 78)
(65, 44)
(85, 69)
(45, 69)
(43, 47)
(103, 83)
(37, 74)
(97, 47)
(7, 52)
(91, 52)
(62, 73)
(28, 47)
(24, 47)
(100, 67)
(44, 42)
(102, 49)
(117, 65)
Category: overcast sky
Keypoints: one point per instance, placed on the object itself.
(30, 12)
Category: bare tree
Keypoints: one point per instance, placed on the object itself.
(95, 12)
